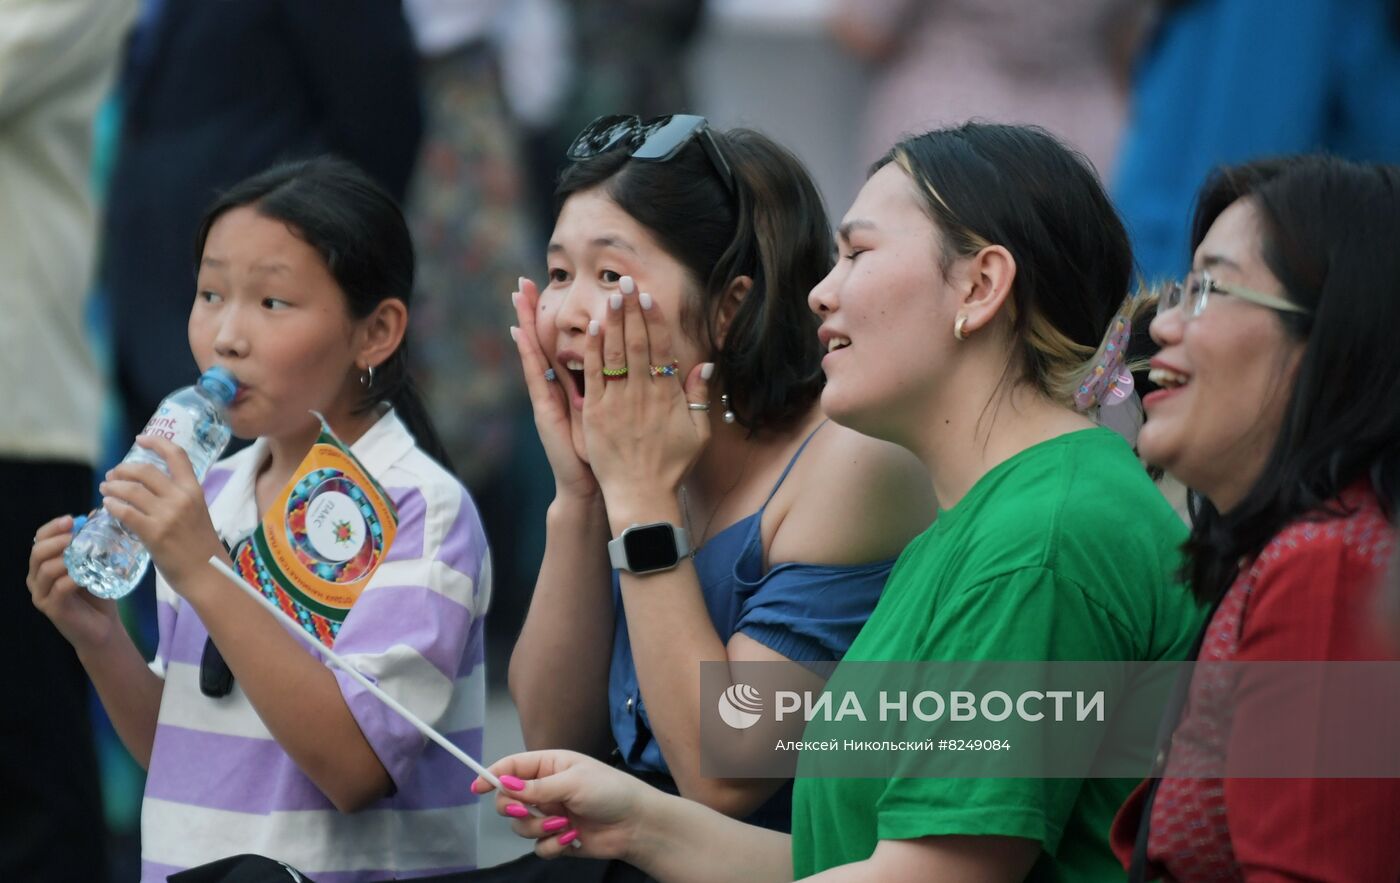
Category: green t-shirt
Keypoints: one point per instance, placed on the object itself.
(1065, 552)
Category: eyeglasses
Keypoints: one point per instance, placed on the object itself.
(1193, 294)
(656, 140)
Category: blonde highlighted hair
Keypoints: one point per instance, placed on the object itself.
(1017, 187)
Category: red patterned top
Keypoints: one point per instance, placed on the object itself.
(1308, 596)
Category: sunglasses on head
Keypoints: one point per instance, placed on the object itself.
(656, 140)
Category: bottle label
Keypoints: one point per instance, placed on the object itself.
(174, 424)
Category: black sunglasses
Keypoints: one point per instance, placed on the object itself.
(656, 140)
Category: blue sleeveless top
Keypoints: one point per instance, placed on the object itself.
(806, 612)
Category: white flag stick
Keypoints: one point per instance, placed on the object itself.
(334, 658)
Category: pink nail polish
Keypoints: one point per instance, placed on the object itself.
(555, 823)
(516, 811)
(568, 837)
(511, 783)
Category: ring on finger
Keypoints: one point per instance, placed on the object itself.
(698, 406)
(615, 373)
(668, 370)
(549, 375)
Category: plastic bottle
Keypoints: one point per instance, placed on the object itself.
(106, 558)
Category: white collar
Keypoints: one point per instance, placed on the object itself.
(235, 510)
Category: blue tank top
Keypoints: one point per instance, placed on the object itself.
(806, 612)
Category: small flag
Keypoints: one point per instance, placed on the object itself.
(321, 540)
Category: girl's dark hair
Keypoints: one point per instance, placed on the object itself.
(773, 230)
(1016, 186)
(1328, 235)
(360, 233)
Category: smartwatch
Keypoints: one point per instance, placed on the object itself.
(648, 548)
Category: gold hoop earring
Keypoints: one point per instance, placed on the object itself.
(958, 331)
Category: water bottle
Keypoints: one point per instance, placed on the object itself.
(106, 558)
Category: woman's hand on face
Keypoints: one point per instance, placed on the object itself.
(641, 434)
(582, 799)
(572, 475)
(86, 621)
(167, 513)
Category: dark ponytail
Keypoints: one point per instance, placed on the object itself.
(360, 233)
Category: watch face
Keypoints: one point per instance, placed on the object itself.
(652, 547)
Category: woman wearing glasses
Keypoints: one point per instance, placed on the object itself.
(976, 318)
(704, 510)
(1278, 373)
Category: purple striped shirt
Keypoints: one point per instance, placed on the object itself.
(220, 785)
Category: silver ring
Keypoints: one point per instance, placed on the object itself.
(698, 406)
(550, 376)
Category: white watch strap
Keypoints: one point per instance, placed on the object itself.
(617, 554)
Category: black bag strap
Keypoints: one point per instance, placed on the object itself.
(215, 677)
(242, 869)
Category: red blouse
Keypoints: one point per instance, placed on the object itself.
(1308, 596)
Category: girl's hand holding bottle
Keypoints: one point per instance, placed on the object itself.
(85, 621)
(166, 512)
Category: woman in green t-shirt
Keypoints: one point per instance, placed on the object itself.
(978, 316)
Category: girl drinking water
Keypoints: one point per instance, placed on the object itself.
(304, 281)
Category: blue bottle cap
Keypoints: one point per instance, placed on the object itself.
(220, 383)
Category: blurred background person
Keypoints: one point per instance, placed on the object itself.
(57, 59)
(1224, 81)
(1062, 65)
(469, 212)
(773, 65)
(210, 94)
(625, 56)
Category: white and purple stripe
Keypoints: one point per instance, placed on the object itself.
(220, 785)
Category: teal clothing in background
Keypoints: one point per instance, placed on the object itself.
(1222, 82)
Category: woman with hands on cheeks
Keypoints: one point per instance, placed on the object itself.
(304, 277)
(704, 510)
(982, 292)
